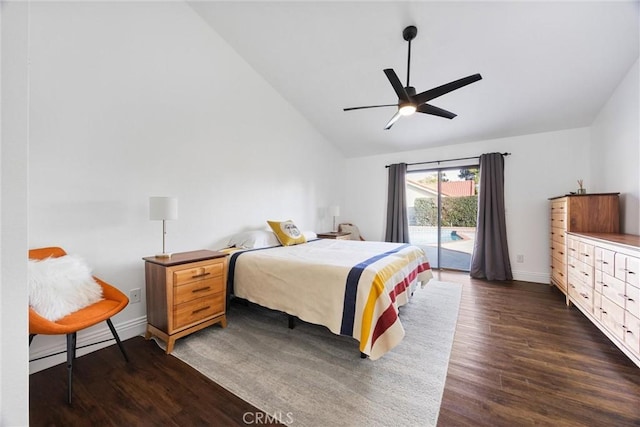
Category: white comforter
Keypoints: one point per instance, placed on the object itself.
(353, 288)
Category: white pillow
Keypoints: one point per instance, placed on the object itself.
(60, 286)
(254, 239)
(310, 235)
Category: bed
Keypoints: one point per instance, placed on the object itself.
(354, 288)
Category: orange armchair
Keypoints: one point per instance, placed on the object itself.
(114, 302)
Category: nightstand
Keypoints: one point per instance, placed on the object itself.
(336, 235)
(185, 293)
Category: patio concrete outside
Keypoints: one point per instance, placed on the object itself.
(454, 254)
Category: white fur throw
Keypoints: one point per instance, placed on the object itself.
(60, 286)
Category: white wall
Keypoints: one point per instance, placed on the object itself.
(616, 150)
(540, 166)
(131, 100)
(14, 381)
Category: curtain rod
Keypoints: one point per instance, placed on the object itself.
(448, 160)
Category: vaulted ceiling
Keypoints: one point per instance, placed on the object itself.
(545, 65)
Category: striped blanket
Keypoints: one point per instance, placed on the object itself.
(353, 288)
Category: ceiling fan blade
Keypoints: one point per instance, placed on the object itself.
(435, 111)
(393, 120)
(430, 94)
(397, 85)
(369, 106)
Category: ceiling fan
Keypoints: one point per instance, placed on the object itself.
(408, 100)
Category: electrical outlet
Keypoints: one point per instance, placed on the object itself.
(134, 295)
(519, 258)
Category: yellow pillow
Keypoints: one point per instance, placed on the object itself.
(287, 232)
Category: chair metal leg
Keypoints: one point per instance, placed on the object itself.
(71, 354)
(31, 336)
(115, 335)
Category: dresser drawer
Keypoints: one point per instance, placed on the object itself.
(597, 305)
(558, 251)
(586, 253)
(605, 260)
(198, 289)
(558, 235)
(558, 276)
(632, 295)
(559, 220)
(582, 294)
(614, 289)
(632, 332)
(197, 310)
(197, 273)
(613, 317)
(558, 206)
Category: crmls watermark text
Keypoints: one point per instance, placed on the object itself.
(262, 418)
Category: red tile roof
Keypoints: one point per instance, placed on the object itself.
(449, 188)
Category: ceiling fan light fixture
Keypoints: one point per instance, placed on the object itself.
(407, 109)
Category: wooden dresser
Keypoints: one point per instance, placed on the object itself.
(185, 293)
(578, 213)
(603, 282)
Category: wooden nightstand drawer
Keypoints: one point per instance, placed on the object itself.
(199, 289)
(199, 309)
(181, 277)
(185, 293)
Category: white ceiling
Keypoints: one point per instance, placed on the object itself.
(545, 65)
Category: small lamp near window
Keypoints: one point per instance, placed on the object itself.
(335, 211)
(163, 209)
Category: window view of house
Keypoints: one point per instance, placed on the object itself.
(442, 207)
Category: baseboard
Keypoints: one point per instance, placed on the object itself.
(58, 344)
(529, 276)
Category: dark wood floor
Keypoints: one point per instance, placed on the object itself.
(153, 389)
(520, 357)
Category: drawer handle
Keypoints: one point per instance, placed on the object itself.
(201, 309)
(605, 285)
(561, 253)
(605, 262)
(206, 288)
(631, 272)
(604, 312)
(197, 276)
(630, 299)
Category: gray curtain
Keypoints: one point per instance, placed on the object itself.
(490, 258)
(397, 222)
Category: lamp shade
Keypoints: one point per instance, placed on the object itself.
(335, 210)
(163, 208)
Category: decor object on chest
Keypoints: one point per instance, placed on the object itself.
(408, 100)
(163, 209)
(96, 310)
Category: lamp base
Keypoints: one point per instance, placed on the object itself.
(163, 255)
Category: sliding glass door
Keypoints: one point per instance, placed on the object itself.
(442, 206)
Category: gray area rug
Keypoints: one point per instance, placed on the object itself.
(309, 377)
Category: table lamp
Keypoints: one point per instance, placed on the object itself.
(163, 208)
(335, 211)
